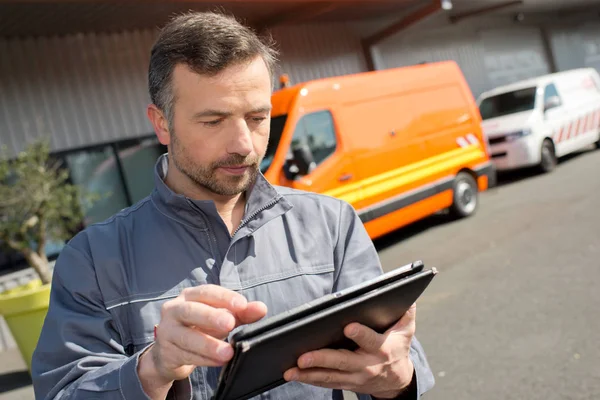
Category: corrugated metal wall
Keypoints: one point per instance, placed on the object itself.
(415, 48)
(577, 46)
(83, 90)
(567, 48)
(513, 54)
(319, 50)
(487, 58)
(78, 90)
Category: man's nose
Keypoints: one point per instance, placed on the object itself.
(241, 142)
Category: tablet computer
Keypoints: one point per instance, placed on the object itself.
(265, 350)
(326, 301)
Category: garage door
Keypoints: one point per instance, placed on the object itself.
(415, 48)
(576, 47)
(488, 58)
(513, 55)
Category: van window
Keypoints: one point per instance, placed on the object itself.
(508, 103)
(277, 125)
(550, 91)
(317, 131)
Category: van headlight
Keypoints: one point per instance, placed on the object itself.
(518, 134)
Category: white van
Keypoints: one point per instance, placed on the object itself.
(537, 121)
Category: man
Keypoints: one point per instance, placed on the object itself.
(141, 303)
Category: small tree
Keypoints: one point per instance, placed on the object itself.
(37, 204)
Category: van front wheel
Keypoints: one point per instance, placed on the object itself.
(549, 159)
(465, 197)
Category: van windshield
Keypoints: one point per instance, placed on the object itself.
(508, 103)
(277, 124)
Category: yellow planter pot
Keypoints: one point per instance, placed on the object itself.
(24, 309)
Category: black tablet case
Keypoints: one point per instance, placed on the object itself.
(264, 351)
(325, 301)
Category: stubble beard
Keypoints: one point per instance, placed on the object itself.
(207, 176)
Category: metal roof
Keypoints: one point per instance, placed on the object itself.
(62, 17)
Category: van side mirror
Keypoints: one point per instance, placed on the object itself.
(301, 162)
(290, 170)
(552, 102)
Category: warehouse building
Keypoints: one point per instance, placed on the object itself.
(75, 70)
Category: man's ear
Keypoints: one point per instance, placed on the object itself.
(159, 123)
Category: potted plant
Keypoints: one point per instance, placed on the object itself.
(37, 205)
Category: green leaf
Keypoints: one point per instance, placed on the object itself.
(37, 203)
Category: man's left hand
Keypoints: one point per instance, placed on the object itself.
(381, 366)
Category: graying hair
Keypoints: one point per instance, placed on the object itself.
(206, 42)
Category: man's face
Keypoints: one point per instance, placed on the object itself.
(221, 125)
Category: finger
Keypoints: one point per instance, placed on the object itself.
(199, 343)
(322, 377)
(341, 360)
(407, 323)
(216, 296)
(203, 317)
(179, 356)
(217, 334)
(255, 311)
(366, 338)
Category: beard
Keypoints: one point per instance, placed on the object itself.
(207, 176)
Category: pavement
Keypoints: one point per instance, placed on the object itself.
(15, 382)
(513, 313)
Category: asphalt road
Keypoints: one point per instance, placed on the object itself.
(15, 383)
(513, 313)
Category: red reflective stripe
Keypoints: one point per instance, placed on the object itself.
(586, 123)
(561, 134)
(591, 119)
(573, 132)
(568, 132)
(582, 125)
(462, 142)
(473, 139)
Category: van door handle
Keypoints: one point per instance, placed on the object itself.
(345, 177)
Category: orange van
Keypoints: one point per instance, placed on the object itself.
(398, 144)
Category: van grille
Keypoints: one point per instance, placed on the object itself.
(500, 139)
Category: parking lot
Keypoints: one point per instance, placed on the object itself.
(513, 313)
(514, 310)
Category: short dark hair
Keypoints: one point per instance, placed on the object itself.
(206, 42)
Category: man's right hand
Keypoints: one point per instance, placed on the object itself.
(191, 333)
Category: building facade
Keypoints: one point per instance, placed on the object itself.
(87, 91)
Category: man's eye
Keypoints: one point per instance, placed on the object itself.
(258, 119)
(212, 123)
